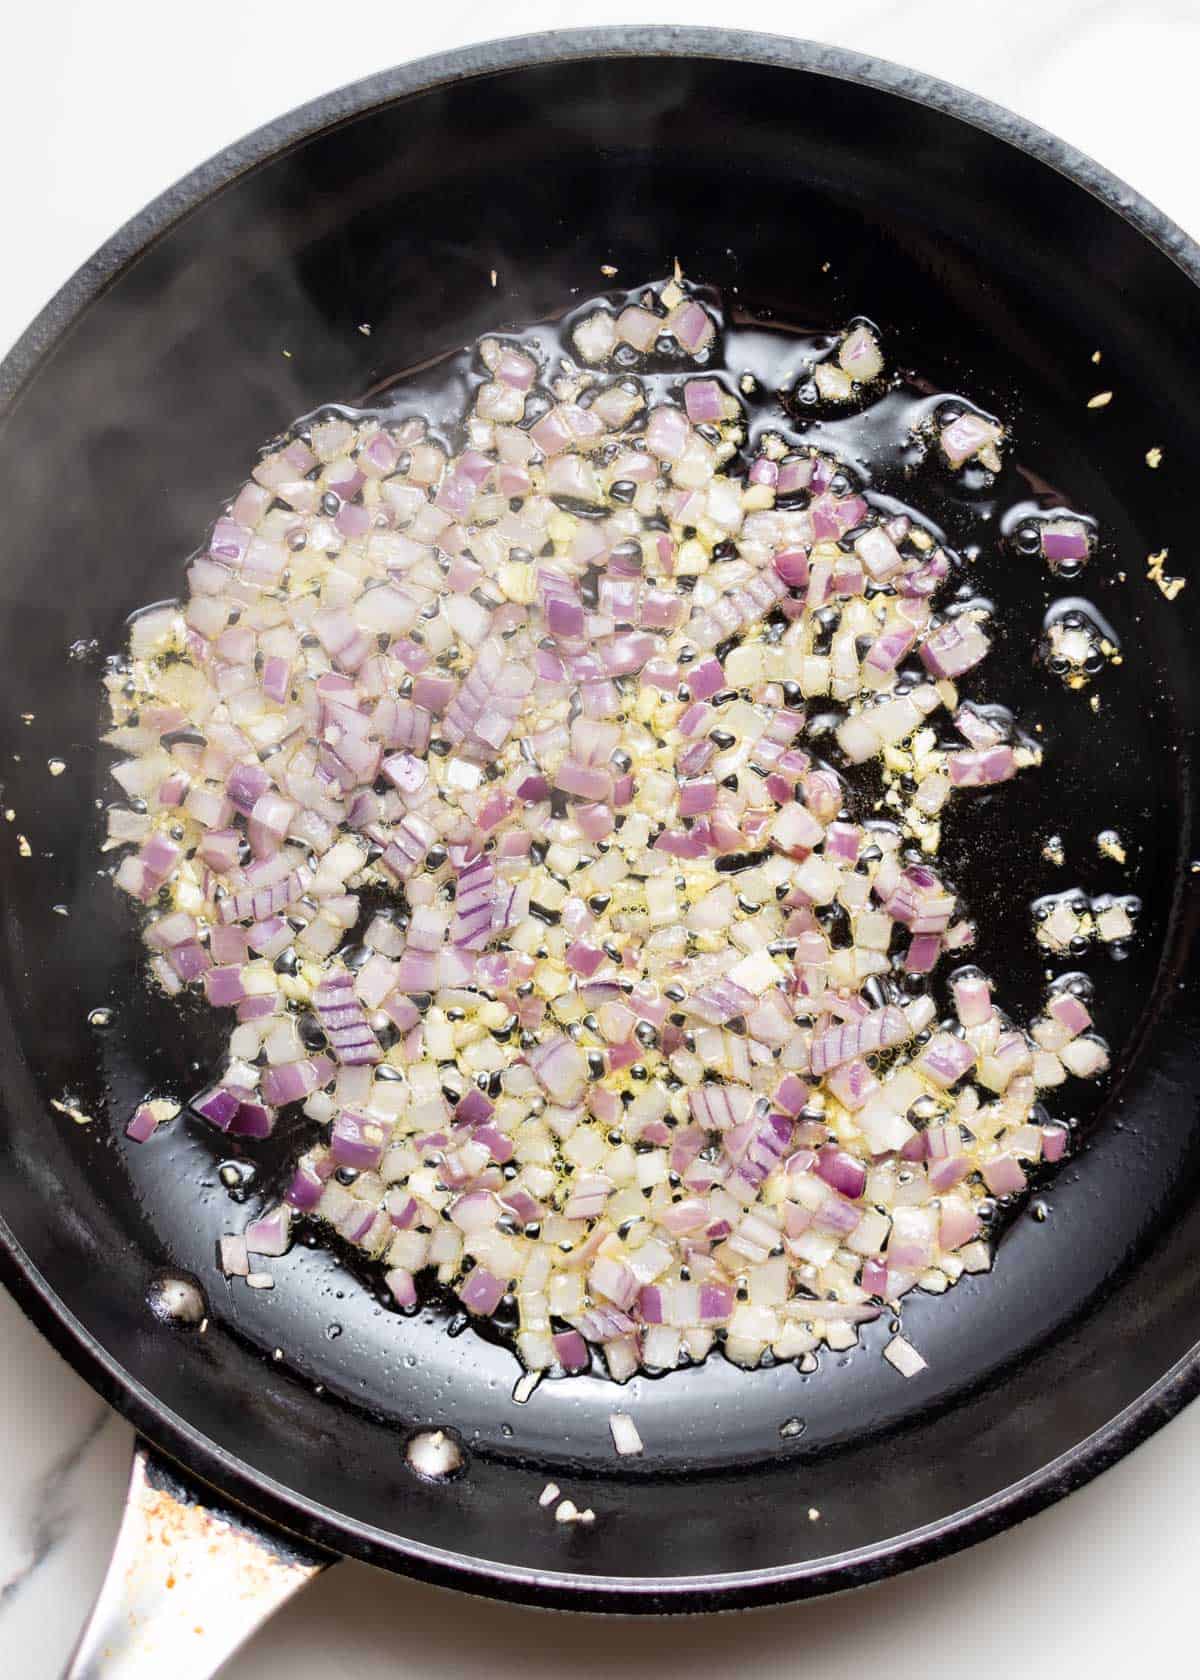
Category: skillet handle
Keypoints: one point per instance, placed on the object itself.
(188, 1583)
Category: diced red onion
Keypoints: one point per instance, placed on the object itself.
(415, 683)
(143, 1125)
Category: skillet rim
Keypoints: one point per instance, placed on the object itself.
(203, 1458)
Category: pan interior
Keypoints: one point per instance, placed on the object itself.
(807, 200)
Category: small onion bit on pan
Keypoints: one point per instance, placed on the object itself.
(640, 1045)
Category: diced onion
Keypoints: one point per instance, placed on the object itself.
(630, 1043)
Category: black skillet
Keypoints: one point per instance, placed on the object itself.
(812, 184)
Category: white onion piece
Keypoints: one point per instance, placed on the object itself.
(625, 1435)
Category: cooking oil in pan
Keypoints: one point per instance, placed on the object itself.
(994, 849)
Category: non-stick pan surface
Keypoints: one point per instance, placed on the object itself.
(811, 185)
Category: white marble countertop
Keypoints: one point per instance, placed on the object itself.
(99, 113)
